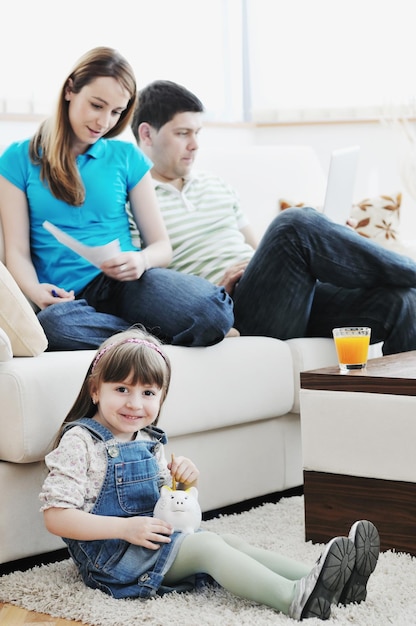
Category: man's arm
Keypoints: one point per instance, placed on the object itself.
(249, 236)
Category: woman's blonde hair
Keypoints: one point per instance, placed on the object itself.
(132, 355)
(50, 147)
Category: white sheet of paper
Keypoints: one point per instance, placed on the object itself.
(96, 255)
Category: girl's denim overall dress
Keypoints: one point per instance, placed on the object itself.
(131, 487)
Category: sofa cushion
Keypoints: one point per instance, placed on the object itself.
(18, 320)
(248, 379)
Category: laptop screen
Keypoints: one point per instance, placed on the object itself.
(340, 186)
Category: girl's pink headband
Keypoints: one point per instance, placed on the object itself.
(142, 342)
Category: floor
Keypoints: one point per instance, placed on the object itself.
(14, 616)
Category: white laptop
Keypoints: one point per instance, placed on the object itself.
(340, 185)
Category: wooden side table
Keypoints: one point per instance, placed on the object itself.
(359, 450)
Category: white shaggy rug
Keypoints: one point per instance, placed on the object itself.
(57, 590)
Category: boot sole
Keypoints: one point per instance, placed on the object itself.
(366, 540)
(336, 570)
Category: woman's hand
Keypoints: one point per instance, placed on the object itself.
(126, 266)
(45, 294)
(184, 471)
(148, 532)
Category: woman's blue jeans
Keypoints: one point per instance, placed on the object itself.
(180, 309)
(310, 275)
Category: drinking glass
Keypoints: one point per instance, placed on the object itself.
(352, 344)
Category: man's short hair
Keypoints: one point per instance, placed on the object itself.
(160, 101)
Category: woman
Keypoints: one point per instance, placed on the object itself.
(73, 174)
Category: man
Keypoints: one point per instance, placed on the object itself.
(306, 276)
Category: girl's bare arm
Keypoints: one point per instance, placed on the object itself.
(148, 532)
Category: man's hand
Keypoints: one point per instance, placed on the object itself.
(232, 276)
(352, 223)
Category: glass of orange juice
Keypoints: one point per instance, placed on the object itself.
(352, 347)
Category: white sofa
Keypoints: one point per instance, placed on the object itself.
(232, 407)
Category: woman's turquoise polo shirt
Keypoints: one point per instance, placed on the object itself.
(110, 169)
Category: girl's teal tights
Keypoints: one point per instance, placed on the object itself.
(252, 573)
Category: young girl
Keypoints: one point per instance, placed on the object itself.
(104, 480)
(73, 174)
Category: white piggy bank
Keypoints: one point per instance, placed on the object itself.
(180, 508)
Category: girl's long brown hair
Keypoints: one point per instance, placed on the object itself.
(50, 147)
(124, 356)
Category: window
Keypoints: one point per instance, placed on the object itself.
(323, 58)
(262, 60)
(193, 42)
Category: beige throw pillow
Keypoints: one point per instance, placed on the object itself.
(6, 352)
(284, 203)
(378, 218)
(18, 320)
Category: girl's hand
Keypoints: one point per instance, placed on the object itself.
(184, 471)
(126, 266)
(148, 532)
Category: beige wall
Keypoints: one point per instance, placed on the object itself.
(383, 152)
